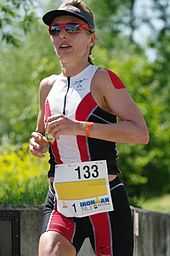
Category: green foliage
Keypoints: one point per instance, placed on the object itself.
(22, 69)
(23, 179)
(145, 168)
(16, 17)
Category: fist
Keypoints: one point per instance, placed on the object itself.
(38, 144)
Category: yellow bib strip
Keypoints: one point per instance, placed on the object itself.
(81, 189)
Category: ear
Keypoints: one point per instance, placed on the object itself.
(92, 39)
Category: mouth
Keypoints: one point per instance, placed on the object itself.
(65, 46)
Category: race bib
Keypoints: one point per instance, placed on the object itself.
(82, 189)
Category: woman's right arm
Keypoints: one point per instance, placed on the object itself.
(38, 143)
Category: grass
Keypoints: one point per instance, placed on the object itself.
(160, 204)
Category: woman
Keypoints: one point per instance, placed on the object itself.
(78, 116)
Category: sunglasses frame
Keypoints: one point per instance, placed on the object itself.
(61, 26)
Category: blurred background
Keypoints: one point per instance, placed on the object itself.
(133, 41)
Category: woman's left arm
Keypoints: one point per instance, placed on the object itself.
(131, 127)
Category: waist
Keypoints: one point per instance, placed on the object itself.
(112, 177)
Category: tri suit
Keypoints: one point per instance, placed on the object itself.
(110, 233)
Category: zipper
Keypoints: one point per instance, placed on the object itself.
(65, 97)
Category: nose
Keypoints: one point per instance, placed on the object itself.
(62, 33)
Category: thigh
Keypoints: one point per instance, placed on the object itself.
(55, 221)
(57, 230)
(113, 231)
(83, 230)
(121, 223)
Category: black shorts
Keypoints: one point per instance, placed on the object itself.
(110, 233)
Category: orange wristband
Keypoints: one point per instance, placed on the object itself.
(88, 127)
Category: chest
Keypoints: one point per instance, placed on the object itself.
(67, 94)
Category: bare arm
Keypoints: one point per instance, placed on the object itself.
(44, 89)
(38, 143)
(131, 127)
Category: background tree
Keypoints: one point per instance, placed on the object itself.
(16, 17)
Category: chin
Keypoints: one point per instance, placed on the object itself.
(65, 59)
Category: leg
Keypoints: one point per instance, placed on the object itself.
(53, 244)
(57, 231)
(113, 231)
(83, 230)
(122, 223)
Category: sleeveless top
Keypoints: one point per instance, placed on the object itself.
(72, 97)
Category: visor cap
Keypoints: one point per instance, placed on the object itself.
(71, 10)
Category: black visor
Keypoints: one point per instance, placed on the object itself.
(70, 10)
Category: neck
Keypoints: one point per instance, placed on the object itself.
(74, 68)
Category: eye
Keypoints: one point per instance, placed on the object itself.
(72, 27)
(54, 30)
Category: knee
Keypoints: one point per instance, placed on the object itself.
(55, 247)
(47, 247)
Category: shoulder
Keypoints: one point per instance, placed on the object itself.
(106, 78)
(45, 87)
(47, 82)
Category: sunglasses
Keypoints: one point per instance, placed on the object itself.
(55, 29)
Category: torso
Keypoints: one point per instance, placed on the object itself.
(77, 98)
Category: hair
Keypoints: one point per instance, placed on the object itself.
(82, 6)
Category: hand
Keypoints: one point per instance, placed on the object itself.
(38, 144)
(60, 125)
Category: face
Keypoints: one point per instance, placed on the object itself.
(72, 46)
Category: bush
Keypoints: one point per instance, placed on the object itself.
(23, 179)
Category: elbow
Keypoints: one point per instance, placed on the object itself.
(144, 136)
(140, 136)
(146, 139)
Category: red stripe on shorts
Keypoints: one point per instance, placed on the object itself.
(102, 233)
(61, 224)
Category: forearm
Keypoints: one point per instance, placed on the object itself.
(40, 123)
(121, 132)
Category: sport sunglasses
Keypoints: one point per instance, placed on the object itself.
(55, 29)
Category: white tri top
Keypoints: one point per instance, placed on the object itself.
(72, 97)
